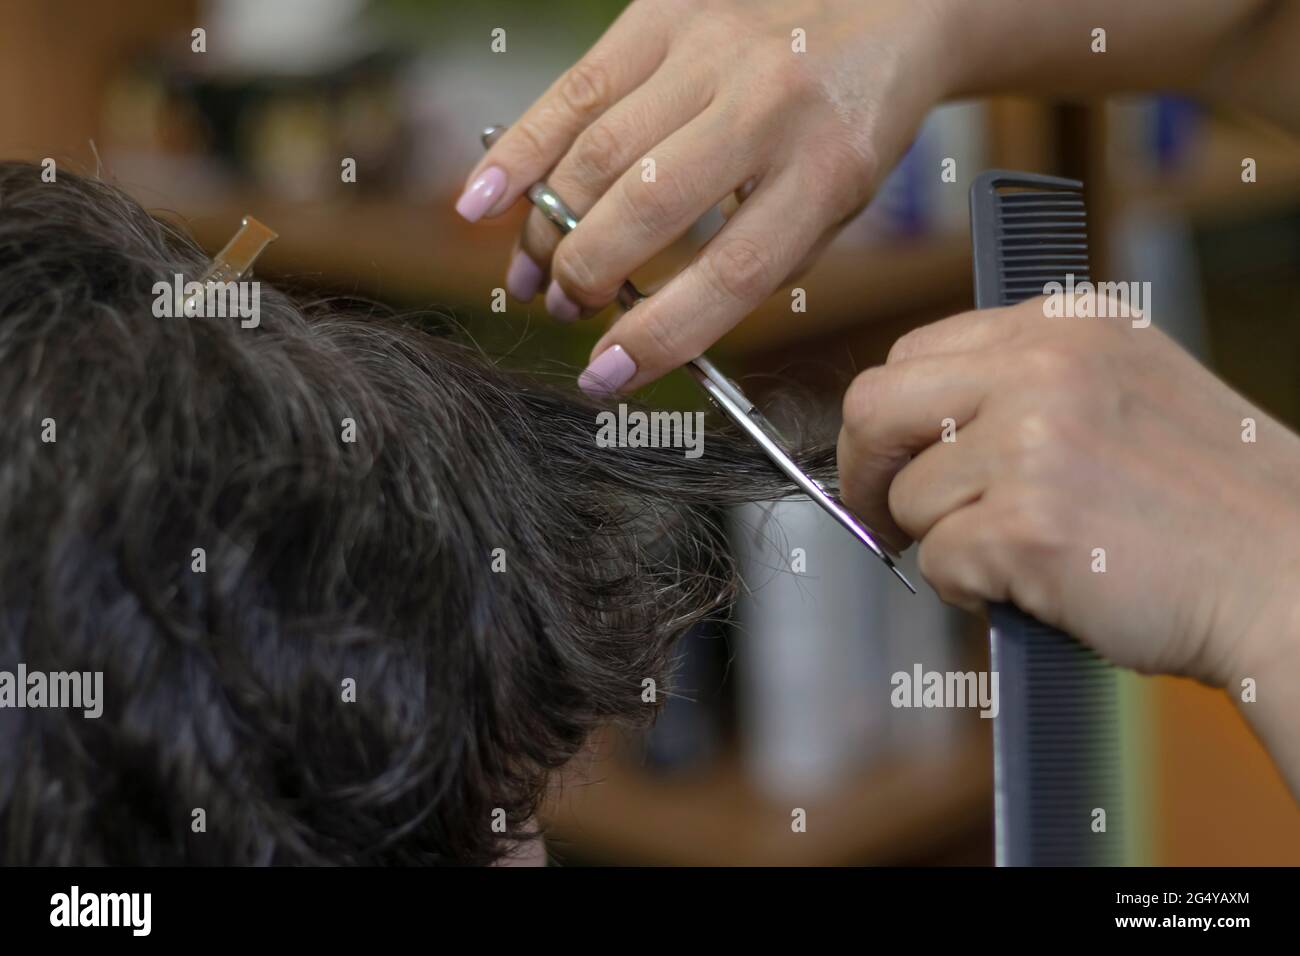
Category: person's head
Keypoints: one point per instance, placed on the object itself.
(352, 588)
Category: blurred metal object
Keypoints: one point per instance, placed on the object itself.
(722, 391)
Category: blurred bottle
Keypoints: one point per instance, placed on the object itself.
(810, 659)
(921, 629)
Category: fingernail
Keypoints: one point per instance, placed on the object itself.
(608, 372)
(524, 277)
(560, 305)
(475, 201)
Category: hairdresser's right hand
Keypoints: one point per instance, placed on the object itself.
(716, 94)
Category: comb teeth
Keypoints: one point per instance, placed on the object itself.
(1058, 755)
(1058, 735)
(1042, 237)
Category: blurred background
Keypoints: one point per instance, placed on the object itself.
(787, 706)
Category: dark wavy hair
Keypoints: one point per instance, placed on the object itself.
(325, 560)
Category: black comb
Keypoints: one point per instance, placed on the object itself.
(1057, 755)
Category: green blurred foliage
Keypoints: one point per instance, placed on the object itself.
(591, 9)
(438, 18)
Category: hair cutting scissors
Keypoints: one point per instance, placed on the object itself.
(722, 391)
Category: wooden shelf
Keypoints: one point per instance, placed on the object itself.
(1209, 188)
(427, 255)
(386, 249)
(851, 287)
(613, 810)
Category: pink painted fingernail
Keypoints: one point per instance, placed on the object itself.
(608, 372)
(524, 277)
(560, 305)
(475, 201)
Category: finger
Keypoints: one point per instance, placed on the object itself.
(651, 206)
(739, 267)
(961, 559)
(860, 472)
(524, 277)
(893, 412)
(810, 258)
(629, 52)
(730, 204)
(950, 474)
(608, 148)
(969, 331)
(991, 551)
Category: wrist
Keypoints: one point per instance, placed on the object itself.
(1272, 646)
(1269, 640)
(958, 33)
(1265, 681)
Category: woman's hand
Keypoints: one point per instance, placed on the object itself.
(1077, 441)
(797, 107)
(800, 107)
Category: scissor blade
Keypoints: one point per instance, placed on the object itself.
(721, 390)
(704, 373)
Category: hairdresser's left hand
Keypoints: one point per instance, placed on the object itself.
(1073, 435)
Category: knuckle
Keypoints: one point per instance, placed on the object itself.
(1047, 444)
(1034, 431)
(839, 161)
(655, 206)
(741, 269)
(838, 176)
(897, 498)
(573, 271)
(1053, 363)
(599, 152)
(529, 139)
(1036, 524)
(794, 77)
(1063, 372)
(906, 346)
(1036, 445)
(930, 562)
(948, 565)
(862, 401)
(745, 125)
(1033, 542)
(925, 561)
(585, 88)
(663, 335)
